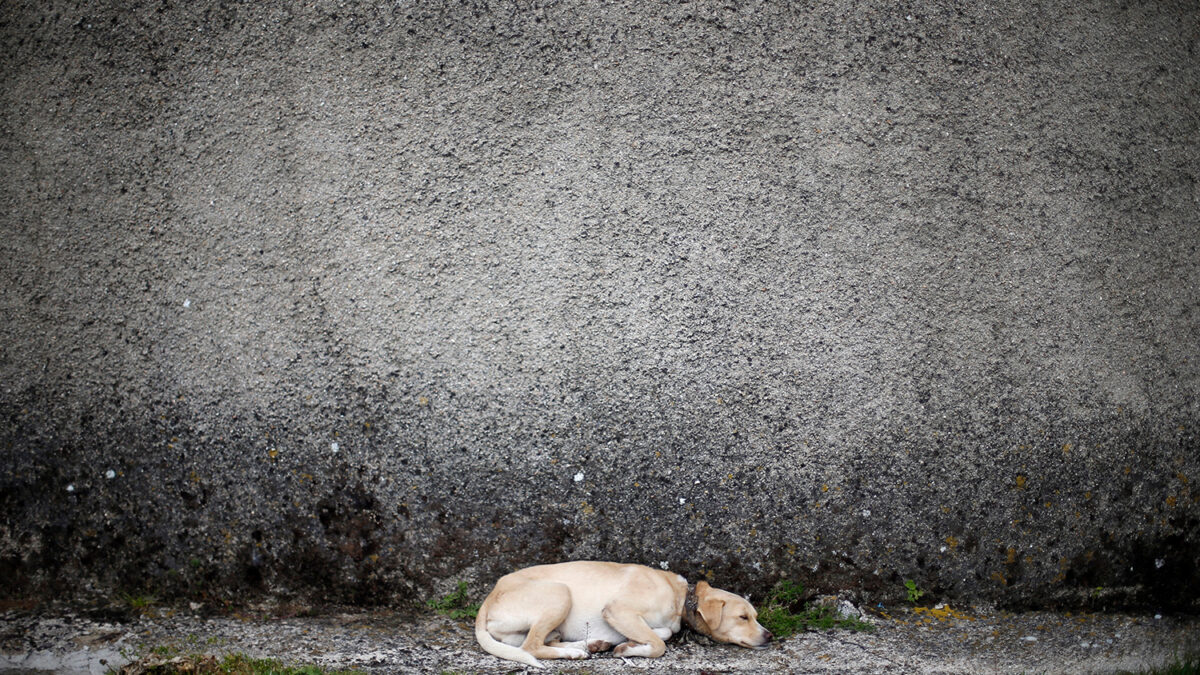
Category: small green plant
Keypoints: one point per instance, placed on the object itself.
(914, 594)
(139, 603)
(455, 604)
(784, 614)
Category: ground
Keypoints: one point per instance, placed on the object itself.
(966, 640)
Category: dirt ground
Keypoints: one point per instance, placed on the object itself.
(927, 640)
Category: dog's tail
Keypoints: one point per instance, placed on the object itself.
(493, 646)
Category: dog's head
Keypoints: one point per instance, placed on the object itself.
(726, 617)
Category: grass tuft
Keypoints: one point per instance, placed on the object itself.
(141, 604)
(784, 614)
(455, 604)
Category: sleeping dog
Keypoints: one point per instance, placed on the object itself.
(574, 609)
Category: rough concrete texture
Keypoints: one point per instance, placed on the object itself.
(354, 301)
(971, 641)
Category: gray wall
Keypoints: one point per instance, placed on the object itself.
(356, 301)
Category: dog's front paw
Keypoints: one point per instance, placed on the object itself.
(572, 653)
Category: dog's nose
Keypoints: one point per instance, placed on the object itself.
(767, 637)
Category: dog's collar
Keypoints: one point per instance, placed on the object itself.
(691, 612)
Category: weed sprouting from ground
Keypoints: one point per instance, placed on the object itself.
(912, 592)
(455, 604)
(138, 603)
(784, 614)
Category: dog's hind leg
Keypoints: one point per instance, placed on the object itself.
(643, 640)
(554, 603)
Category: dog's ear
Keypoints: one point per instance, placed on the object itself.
(709, 605)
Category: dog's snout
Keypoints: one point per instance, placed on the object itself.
(767, 637)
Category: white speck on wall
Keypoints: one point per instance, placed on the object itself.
(187, 302)
(682, 500)
(1158, 563)
(333, 447)
(579, 477)
(1029, 638)
(697, 482)
(943, 549)
(663, 564)
(71, 488)
(866, 513)
(110, 474)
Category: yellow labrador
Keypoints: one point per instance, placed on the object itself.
(571, 610)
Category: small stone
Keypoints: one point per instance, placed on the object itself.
(848, 610)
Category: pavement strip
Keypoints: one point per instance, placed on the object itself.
(926, 640)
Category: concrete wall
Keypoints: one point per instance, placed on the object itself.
(353, 301)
